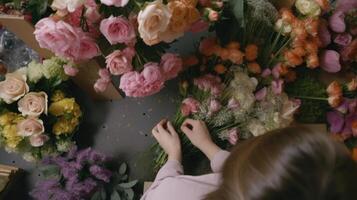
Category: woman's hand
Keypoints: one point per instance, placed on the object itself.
(199, 136)
(168, 139)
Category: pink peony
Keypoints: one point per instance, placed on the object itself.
(343, 39)
(120, 61)
(70, 70)
(171, 65)
(189, 106)
(330, 61)
(337, 22)
(277, 86)
(117, 3)
(118, 30)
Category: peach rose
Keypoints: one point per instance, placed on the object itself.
(38, 140)
(153, 21)
(13, 87)
(30, 127)
(33, 104)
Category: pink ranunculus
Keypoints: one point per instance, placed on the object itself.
(233, 136)
(277, 86)
(337, 22)
(70, 70)
(233, 104)
(116, 3)
(266, 73)
(132, 83)
(189, 106)
(330, 61)
(324, 34)
(101, 85)
(120, 61)
(104, 74)
(118, 30)
(261, 94)
(343, 39)
(171, 65)
(199, 26)
(214, 106)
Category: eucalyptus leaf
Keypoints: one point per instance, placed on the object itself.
(96, 196)
(128, 185)
(122, 169)
(115, 196)
(238, 10)
(103, 194)
(50, 171)
(129, 194)
(124, 177)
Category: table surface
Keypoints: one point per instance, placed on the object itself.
(120, 129)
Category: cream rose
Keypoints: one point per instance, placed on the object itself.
(13, 87)
(38, 140)
(67, 5)
(33, 104)
(153, 21)
(30, 127)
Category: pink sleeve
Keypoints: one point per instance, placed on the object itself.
(218, 161)
(172, 168)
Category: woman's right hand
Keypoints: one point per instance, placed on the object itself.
(198, 134)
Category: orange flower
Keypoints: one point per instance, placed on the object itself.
(312, 26)
(311, 46)
(283, 70)
(236, 56)
(293, 59)
(334, 89)
(254, 68)
(335, 101)
(298, 43)
(224, 53)
(352, 86)
(290, 76)
(233, 45)
(299, 30)
(190, 61)
(354, 127)
(220, 69)
(312, 61)
(354, 153)
(287, 15)
(300, 51)
(251, 52)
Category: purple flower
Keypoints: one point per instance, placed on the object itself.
(277, 86)
(330, 61)
(324, 34)
(266, 73)
(70, 169)
(81, 189)
(96, 157)
(60, 194)
(337, 22)
(100, 173)
(43, 188)
(343, 108)
(83, 155)
(261, 94)
(72, 153)
(343, 39)
(336, 121)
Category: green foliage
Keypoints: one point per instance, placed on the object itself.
(312, 93)
(38, 9)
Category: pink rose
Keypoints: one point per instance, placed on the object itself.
(30, 127)
(210, 83)
(88, 49)
(118, 30)
(153, 79)
(13, 87)
(120, 61)
(38, 140)
(70, 70)
(189, 106)
(117, 3)
(101, 85)
(171, 65)
(214, 106)
(233, 136)
(330, 61)
(104, 74)
(337, 22)
(33, 104)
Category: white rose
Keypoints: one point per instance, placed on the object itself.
(33, 104)
(308, 7)
(67, 5)
(13, 87)
(30, 127)
(38, 140)
(153, 21)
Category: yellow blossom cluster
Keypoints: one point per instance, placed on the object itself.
(8, 129)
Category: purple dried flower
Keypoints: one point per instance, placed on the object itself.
(343, 39)
(336, 121)
(330, 61)
(276, 71)
(100, 173)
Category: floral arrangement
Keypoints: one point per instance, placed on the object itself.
(131, 36)
(82, 174)
(36, 117)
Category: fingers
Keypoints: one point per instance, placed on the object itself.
(171, 128)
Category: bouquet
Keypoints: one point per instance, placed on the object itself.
(82, 174)
(37, 118)
(131, 36)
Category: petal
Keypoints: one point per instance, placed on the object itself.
(330, 61)
(336, 121)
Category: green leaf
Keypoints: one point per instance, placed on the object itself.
(128, 185)
(50, 171)
(238, 10)
(103, 193)
(129, 194)
(122, 169)
(115, 196)
(96, 196)
(124, 177)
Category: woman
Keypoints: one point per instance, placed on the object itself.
(292, 164)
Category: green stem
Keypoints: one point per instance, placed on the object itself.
(311, 98)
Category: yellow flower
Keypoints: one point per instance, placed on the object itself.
(65, 126)
(10, 134)
(64, 106)
(58, 95)
(9, 118)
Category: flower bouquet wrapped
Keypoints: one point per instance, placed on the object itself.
(82, 174)
(36, 116)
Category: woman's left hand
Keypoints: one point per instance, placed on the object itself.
(168, 139)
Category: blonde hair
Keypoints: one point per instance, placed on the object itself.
(293, 164)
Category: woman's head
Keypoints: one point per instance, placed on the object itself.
(293, 164)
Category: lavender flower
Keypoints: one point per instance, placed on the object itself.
(100, 173)
(336, 121)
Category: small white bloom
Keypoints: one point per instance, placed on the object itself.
(308, 7)
(283, 27)
(34, 71)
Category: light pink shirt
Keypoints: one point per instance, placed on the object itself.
(171, 184)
